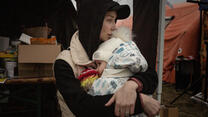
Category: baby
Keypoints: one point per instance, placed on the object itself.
(117, 59)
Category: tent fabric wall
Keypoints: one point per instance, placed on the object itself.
(145, 28)
(125, 22)
(182, 37)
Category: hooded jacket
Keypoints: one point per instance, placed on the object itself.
(90, 20)
(83, 44)
(81, 104)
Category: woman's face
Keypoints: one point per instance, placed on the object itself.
(109, 25)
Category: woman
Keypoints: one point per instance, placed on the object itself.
(117, 59)
(94, 26)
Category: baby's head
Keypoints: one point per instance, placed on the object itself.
(123, 33)
(106, 49)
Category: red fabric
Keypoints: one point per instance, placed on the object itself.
(140, 85)
(87, 72)
(182, 33)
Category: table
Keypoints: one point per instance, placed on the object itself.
(33, 82)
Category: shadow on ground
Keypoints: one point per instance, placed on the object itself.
(186, 106)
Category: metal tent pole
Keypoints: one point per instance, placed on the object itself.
(161, 29)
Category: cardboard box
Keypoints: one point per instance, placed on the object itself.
(38, 53)
(169, 111)
(28, 70)
(38, 32)
(37, 60)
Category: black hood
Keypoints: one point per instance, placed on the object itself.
(90, 20)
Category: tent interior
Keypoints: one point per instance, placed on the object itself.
(182, 39)
(56, 14)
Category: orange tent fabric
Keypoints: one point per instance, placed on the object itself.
(182, 37)
(125, 22)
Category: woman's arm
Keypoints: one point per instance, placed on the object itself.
(123, 107)
(147, 80)
(79, 102)
(147, 83)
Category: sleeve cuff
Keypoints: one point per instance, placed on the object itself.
(140, 85)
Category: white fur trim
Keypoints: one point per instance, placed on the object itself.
(104, 52)
(123, 33)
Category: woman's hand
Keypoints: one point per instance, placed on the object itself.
(151, 106)
(124, 99)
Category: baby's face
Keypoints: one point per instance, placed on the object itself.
(101, 65)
